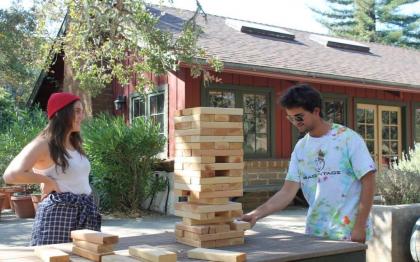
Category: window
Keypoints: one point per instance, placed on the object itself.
(256, 119)
(151, 106)
(417, 125)
(335, 110)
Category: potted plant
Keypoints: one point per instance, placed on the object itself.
(2, 198)
(36, 196)
(393, 221)
(8, 191)
(22, 203)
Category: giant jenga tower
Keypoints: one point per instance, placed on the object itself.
(209, 171)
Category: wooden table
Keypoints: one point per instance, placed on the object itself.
(267, 245)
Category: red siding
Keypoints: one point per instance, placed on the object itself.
(185, 91)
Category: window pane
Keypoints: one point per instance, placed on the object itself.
(160, 102)
(262, 124)
(335, 111)
(385, 117)
(138, 107)
(249, 146)
(221, 99)
(249, 104)
(153, 105)
(418, 125)
(158, 120)
(394, 118)
(261, 143)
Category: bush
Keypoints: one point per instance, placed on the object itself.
(401, 184)
(122, 157)
(23, 126)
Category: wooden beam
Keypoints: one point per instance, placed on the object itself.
(216, 255)
(94, 236)
(97, 248)
(152, 254)
(49, 254)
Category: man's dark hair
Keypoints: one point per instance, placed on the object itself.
(302, 95)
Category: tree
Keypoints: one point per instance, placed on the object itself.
(20, 59)
(373, 21)
(101, 35)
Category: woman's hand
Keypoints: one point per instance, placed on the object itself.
(49, 186)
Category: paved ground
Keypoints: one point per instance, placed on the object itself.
(17, 232)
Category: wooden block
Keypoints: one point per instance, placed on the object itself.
(199, 229)
(215, 194)
(195, 222)
(236, 118)
(49, 254)
(203, 216)
(208, 139)
(193, 118)
(118, 258)
(218, 124)
(203, 208)
(230, 242)
(211, 110)
(219, 228)
(196, 159)
(152, 254)
(236, 145)
(240, 225)
(97, 248)
(214, 166)
(216, 152)
(89, 254)
(212, 201)
(182, 145)
(94, 236)
(216, 236)
(195, 173)
(207, 181)
(197, 243)
(208, 187)
(217, 255)
(209, 132)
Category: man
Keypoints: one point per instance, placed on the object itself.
(332, 165)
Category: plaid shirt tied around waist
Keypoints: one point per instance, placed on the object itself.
(59, 214)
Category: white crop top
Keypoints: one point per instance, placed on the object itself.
(76, 176)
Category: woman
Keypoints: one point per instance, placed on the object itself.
(55, 159)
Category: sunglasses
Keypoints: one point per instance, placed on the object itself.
(296, 118)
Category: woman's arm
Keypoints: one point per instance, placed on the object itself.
(20, 171)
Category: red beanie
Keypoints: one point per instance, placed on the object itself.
(58, 101)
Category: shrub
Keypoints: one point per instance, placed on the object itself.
(23, 126)
(122, 157)
(401, 184)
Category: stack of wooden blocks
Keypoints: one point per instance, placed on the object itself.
(92, 244)
(208, 171)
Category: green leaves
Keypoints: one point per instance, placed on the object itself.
(108, 40)
(373, 21)
(122, 157)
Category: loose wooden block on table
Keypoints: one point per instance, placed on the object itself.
(118, 258)
(93, 247)
(152, 254)
(89, 254)
(216, 255)
(48, 254)
(94, 236)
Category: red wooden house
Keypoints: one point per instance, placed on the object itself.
(372, 88)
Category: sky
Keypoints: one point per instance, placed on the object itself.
(285, 13)
(294, 14)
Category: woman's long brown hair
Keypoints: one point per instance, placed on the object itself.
(56, 131)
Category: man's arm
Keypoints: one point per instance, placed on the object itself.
(365, 205)
(277, 202)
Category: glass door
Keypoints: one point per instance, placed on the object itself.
(380, 127)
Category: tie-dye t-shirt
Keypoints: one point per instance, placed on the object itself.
(329, 169)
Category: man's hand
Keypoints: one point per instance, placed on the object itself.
(250, 218)
(358, 234)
